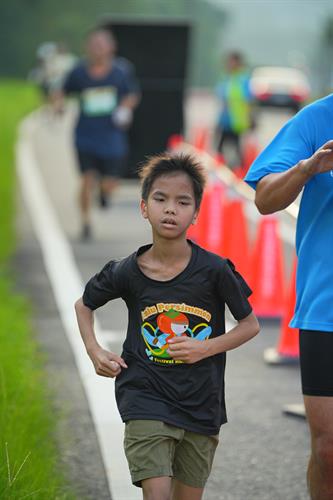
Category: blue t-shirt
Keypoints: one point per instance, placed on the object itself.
(297, 140)
(95, 131)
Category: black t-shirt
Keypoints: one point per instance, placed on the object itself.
(154, 386)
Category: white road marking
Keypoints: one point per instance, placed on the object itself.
(67, 286)
(112, 335)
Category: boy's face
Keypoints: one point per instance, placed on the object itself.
(170, 207)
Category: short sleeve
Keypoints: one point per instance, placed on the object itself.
(128, 84)
(104, 286)
(292, 144)
(234, 291)
(71, 83)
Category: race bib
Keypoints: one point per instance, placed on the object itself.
(99, 101)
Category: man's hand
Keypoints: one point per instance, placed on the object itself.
(122, 117)
(106, 363)
(187, 349)
(321, 161)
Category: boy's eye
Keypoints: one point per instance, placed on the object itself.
(158, 198)
(184, 202)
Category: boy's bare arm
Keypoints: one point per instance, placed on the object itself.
(190, 350)
(106, 363)
(277, 191)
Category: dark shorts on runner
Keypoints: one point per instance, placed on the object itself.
(316, 358)
(105, 167)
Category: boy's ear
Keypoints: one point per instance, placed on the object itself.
(143, 208)
(195, 217)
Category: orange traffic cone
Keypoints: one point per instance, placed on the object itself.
(174, 141)
(289, 340)
(201, 138)
(235, 236)
(192, 233)
(219, 159)
(287, 349)
(268, 270)
(239, 172)
(197, 231)
(213, 238)
(250, 151)
(207, 232)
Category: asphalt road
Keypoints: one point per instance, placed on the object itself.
(262, 453)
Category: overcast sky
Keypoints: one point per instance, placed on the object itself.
(279, 32)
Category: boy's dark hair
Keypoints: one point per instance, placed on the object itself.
(165, 164)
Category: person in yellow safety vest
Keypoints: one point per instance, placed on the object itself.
(234, 120)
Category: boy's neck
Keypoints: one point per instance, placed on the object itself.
(170, 250)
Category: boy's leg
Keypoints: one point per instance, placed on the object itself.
(193, 461)
(111, 170)
(87, 183)
(316, 352)
(87, 164)
(150, 448)
(181, 491)
(157, 488)
(107, 185)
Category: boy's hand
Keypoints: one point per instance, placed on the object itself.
(106, 363)
(187, 349)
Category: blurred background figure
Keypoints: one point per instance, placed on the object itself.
(233, 91)
(54, 61)
(108, 93)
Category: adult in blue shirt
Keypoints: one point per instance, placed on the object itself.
(107, 93)
(301, 156)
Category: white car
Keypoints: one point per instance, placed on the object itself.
(279, 86)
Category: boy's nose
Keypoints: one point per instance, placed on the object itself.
(170, 210)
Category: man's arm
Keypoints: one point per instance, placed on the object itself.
(277, 191)
(130, 100)
(106, 363)
(190, 350)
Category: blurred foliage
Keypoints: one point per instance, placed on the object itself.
(16, 100)
(29, 460)
(25, 24)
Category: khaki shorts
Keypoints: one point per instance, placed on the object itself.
(155, 449)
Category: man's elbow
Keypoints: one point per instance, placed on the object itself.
(262, 206)
(264, 203)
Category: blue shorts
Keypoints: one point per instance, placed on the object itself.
(105, 167)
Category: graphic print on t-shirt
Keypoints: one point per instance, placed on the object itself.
(99, 101)
(167, 321)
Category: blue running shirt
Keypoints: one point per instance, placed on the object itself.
(297, 140)
(95, 131)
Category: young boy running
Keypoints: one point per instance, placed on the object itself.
(170, 376)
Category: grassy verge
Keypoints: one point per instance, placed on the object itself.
(29, 465)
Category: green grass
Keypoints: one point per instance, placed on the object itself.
(29, 462)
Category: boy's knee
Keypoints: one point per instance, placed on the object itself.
(322, 450)
(156, 489)
(156, 495)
